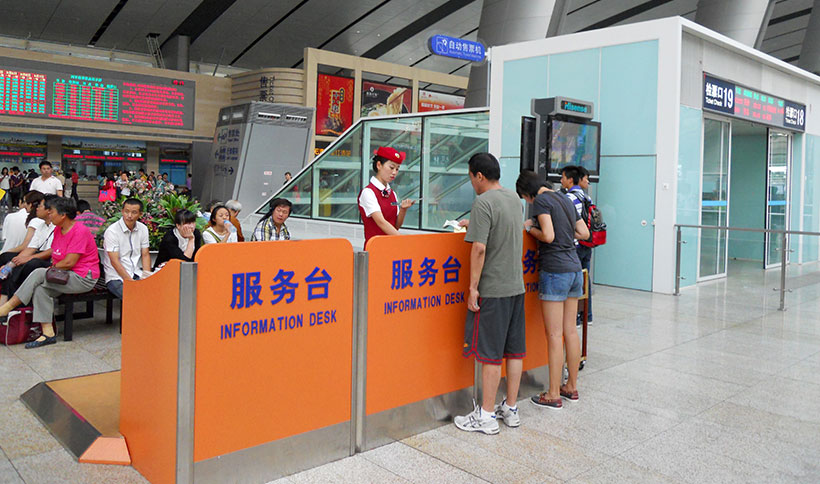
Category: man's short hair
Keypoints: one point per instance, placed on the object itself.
(133, 201)
(486, 164)
(212, 204)
(45, 163)
(582, 172)
(48, 200)
(83, 205)
(528, 183)
(572, 173)
(280, 202)
(233, 205)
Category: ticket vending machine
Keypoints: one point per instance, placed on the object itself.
(560, 133)
(254, 145)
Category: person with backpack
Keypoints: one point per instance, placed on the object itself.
(575, 184)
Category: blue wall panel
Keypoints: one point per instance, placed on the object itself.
(627, 199)
(575, 75)
(747, 195)
(688, 201)
(629, 98)
(811, 203)
(524, 80)
(795, 203)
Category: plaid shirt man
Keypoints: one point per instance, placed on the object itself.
(266, 230)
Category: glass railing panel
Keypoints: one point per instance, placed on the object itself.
(402, 134)
(449, 142)
(337, 179)
(299, 191)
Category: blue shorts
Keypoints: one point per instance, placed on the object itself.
(558, 286)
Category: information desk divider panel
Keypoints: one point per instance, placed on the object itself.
(417, 290)
(148, 401)
(273, 351)
(536, 336)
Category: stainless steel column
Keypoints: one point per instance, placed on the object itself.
(504, 22)
(186, 373)
(359, 379)
(741, 20)
(810, 51)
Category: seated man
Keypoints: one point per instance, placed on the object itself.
(88, 218)
(272, 226)
(126, 245)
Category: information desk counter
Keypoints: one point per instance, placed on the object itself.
(262, 359)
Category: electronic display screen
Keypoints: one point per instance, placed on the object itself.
(33, 89)
(574, 144)
(742, 102)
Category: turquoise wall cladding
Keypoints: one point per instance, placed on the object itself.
(811, 202)
(795, 203)
(622, 82)
(688, 200)
(747, 195)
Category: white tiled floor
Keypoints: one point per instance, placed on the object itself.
(716, 385)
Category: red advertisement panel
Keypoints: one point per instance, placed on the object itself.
(436, 101)
(384, 99)
(334, 105)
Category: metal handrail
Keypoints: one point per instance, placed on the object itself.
(784, 251)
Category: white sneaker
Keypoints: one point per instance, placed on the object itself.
(508, 414)
(474, 422)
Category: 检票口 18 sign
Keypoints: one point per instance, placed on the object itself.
(457, 48)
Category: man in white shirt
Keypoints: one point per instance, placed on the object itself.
(126, 245)
(46, 183)
(14, 229)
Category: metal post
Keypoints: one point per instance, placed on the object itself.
(784, 252)
(677, 261)
(359, 380)
(186, 373)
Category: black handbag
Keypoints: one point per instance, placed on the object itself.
(57, 276)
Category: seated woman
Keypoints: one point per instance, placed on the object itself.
(182, 241)
(36, 254)
(72, 250)
(30, 202)
(218, 230)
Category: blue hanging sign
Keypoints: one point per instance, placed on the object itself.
(456, 48)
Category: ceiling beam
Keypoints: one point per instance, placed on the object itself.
(269, 30)
(200, 19)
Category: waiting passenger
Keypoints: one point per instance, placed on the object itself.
(560, 282)
(17, 239)
(578, 194)
(180, 242)
(46, 183)
(234, 207)
(381, 212)
(73, 254)
(126, 248)
(272, 226)
(36, 253)
(88, 218)
(218, 230)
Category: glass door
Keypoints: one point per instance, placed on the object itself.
(714, 198)
(777, 194)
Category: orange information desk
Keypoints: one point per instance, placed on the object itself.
(262, 359)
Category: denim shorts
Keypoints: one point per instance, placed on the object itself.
(558, 286)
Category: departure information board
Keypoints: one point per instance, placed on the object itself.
(746, 103)
(43, 90)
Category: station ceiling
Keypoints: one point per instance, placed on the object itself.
(272, 33)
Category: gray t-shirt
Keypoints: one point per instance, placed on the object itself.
(495, 221)
(560, 255)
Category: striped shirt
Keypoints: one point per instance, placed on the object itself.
(577, 196)
(266, 230)
(91, 220)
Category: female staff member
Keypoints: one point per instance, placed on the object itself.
(560, 281)
(72, 250)
(378, 205)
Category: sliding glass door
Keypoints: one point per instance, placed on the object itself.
(714, 198)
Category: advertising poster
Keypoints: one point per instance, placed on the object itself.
(436, 101)
(384, 100)
(334, 105)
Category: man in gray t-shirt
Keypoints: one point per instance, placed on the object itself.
(495, 318)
